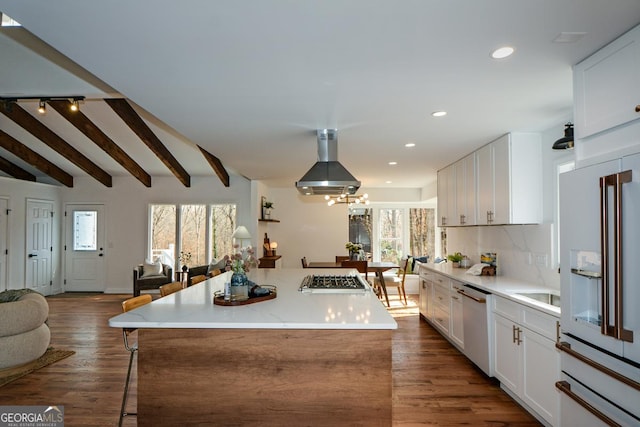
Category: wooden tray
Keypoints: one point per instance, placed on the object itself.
(218, 299)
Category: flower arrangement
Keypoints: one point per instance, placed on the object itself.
(242, 261)
(185, 257)
(268, 205)
(353, 247)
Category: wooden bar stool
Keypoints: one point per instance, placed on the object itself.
(128, 305)
(170, 288)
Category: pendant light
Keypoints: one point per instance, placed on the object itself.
(566, 142)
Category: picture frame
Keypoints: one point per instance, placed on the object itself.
(263, 199)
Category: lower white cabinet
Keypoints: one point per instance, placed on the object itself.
(457, 318)
(425, 295)
(525, 358)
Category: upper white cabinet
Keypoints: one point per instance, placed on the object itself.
(607, 86)
(509, 180)
(446, 197)
(465, 171)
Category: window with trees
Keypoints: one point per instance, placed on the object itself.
(202, 230)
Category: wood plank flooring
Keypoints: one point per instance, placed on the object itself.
(433, 384)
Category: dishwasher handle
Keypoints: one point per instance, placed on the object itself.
(476, 299)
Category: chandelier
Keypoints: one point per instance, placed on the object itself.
(349, 200)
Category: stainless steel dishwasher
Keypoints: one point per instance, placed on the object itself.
(475, 315)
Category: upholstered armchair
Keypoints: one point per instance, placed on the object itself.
(142, 282)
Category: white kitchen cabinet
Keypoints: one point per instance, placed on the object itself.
(425, 294)
(457, 319)
(525, 358)
(441, 304)
(446, 197)
(509, 180)
(607, 86)
(465, 190)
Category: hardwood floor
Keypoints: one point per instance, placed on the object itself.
(433, 384)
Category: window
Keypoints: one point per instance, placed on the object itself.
(404, 231)
(85, 230)
(203, 230)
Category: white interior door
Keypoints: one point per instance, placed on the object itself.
(85, 257)
(4, 243)
(39, 247)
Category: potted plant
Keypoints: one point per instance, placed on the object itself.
(267, 209)
(455, 258)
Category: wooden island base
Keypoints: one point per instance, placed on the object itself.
(264, 377)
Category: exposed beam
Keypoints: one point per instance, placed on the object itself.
(217, 166)
(36, 160)
(91, 131)
(15, 171)
(140, 128)
(44, 134)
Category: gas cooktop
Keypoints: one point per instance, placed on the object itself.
(334, 284)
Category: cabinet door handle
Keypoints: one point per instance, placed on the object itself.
(519, 339)
(514, 334)
(462, 219)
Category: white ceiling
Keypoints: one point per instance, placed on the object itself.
(251, 81)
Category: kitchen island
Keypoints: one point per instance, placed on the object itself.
(298, 359)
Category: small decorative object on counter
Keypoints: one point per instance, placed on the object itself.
(239, 287)
(455, 259)
(227, 291)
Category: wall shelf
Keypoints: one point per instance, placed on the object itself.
(269, 220)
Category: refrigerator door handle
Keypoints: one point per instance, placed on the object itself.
(615, 181)
(565, 387)
(566, 348)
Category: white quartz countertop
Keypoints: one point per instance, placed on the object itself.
(506, 287)
(193, 307)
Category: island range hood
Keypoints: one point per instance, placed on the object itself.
(327, 176)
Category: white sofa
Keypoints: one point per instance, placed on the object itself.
(24, 335)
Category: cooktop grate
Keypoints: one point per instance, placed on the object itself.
(333, 283)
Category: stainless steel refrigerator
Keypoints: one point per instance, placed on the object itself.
(600, 284)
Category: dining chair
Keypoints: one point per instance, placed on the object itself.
(304, 262)
(170, 288)
(396, 280)
(361, 266)
(340, 258)
(197, 279)
(128, 305)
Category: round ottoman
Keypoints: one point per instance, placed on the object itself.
(24, 336)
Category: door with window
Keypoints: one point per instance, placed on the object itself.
(85, 257)
(39, 246)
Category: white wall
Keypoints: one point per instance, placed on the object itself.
(17, 192)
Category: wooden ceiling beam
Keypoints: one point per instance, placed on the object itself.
(15, 171)
(140, 128)
(217, 166)
(44, 134)
(36, 160)
(91, 131)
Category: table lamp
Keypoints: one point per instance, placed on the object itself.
(241, 233)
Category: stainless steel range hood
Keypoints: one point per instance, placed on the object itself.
(327, 176)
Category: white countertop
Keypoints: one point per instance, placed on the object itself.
(193, 307)
(506, 287)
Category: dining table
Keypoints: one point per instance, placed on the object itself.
(377, 267)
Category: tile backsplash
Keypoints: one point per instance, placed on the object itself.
(524, 252)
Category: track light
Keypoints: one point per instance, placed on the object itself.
(7, 102)
(74, 105)
(42, 107)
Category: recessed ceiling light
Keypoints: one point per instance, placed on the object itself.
(410, 144)
(393, 163)
(439, 113)
(387, 182)
(502, 52)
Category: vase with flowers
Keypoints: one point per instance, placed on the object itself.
(267, 209)
(184, 258)
(355, 251)
(241, 262)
